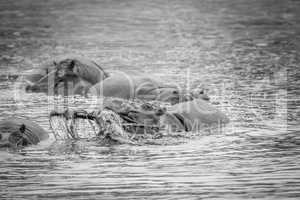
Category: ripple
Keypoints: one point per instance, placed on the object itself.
(245, 53)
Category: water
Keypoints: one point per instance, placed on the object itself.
(245, 52)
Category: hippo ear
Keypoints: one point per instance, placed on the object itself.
(22, 128)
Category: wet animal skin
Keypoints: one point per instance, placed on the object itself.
(120, 119)
(85, 77)
(193, 115)
(16, 132)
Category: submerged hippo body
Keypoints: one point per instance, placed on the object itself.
(16, 132)
(122, 85)
(116, 120)
(193, 115)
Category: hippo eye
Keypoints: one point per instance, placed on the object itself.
(201, 92)
(175, 92)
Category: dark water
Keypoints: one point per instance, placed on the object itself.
(245, 52)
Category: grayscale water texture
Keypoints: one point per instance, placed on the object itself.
(245, 52)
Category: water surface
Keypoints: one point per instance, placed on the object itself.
(245, 52)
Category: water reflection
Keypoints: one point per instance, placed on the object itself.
(246, 54)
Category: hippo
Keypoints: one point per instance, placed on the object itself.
(193, 115)
(185, 116)
(122, 120)
(139, 86)
(85, 77)
(18, 132)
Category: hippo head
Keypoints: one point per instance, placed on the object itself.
(66, 69)
(16, 132)
(13, 135)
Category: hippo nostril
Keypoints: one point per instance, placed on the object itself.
(201, 92)
(175, 92)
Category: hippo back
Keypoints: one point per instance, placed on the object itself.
(198, 112)
(132, 86)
